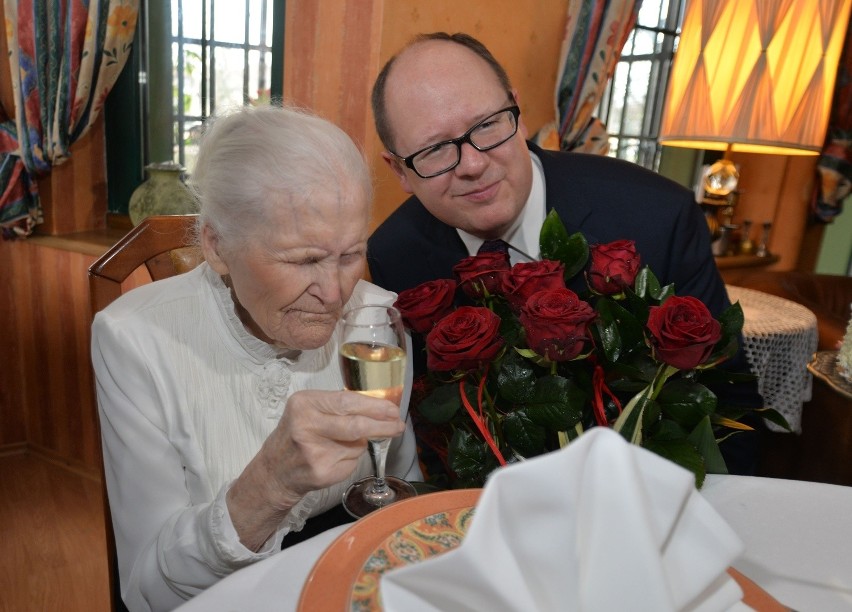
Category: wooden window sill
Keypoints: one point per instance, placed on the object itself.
(91, 242)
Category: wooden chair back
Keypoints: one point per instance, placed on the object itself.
(165, 245)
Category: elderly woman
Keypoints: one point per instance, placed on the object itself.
(223, 420)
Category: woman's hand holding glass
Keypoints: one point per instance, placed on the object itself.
(318, 442)
(372, 359)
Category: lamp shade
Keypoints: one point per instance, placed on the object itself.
(755, 75)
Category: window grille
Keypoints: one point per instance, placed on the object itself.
(221, 57)
(633, 99)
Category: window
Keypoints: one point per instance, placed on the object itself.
(633, 100)
(190, 57)
(221, 59)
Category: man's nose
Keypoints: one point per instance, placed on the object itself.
(472, 161)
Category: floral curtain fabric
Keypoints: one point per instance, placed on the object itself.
(595, 33)
(65, 56)
(835, 163)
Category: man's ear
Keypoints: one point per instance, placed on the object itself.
(399, 170)
(522, 127)
(210, 248)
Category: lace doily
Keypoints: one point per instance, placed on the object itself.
(779, 339)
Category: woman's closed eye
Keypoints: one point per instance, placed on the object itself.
(352, 257)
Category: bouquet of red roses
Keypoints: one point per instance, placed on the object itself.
(532, 365)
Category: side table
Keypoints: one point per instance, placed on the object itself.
(779, 338)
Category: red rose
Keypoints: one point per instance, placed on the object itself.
(482, 274)
(683, 332)
(464, 340)
(556, 322)
(614, 266)
(424, 305)
(524, 279)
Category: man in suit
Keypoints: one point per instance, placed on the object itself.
(448, 116)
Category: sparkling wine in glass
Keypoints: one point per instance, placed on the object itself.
(372, 359)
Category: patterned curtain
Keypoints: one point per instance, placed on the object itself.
(835, 163)
(595, 33)
(65, 56)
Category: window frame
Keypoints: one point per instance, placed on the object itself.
(649, 150)
(129, 116)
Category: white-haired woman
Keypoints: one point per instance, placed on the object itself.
(224, 427)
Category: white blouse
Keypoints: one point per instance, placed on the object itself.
(187, 397)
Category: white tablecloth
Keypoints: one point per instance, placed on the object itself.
(797, 534)
(779, 339)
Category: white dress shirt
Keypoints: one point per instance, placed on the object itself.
(187, 397)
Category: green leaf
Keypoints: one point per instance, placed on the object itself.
(516, 379)
(686, 402)
(557, 403)
(629, 422)
(511, 329)
(731, 321)
(722, 375)
(772, 415)
(646, 284)
(681, 451)
(556, 244)
(619, 330)
(637, 306)
(468, 457)
(704, 440)
(522, 434)
(443, 403)
(607, 328)
(665, 293)
(651, 415)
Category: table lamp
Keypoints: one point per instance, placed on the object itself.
(752, 76)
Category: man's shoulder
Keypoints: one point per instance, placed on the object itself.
(594, 167)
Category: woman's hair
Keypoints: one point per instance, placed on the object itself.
(254, 158)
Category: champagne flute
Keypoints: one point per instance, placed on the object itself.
(372, 359)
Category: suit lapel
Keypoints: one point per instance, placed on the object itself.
(450, 251)
(558, 178)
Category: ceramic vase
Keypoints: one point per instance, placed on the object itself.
(163, 193)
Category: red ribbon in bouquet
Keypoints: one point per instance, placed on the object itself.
(479, 418)
(600, 387)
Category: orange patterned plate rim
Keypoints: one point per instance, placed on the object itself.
(329, 585)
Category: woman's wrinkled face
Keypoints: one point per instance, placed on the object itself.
(291, 279)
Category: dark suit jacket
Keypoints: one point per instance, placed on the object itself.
(604, 198)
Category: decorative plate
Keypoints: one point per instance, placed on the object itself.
(346, 576)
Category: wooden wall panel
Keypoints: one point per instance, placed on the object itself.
(330, 51)
(47, 398)
(53, 392)
(15, 331)
(74, 194)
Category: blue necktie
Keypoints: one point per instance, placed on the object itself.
(494, 246)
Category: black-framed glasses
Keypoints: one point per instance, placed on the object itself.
(442, 157)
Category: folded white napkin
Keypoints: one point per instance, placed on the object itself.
(599, 525)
